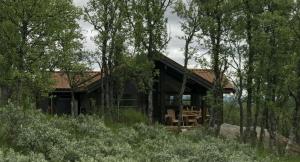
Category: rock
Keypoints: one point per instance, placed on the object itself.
(233, 132)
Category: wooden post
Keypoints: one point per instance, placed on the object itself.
(51, 104)
(203, 110)
(1, 96)
(162, 96)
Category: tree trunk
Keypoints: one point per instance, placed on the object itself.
(110, 70)
(111, 95)
(257, 110)
(294, 136)
(22, 51)
(74, 106)
(119, 97)
(19, 92)
(263, 124)
(107, 99)
(217, 107)
(240, 102)
(241, 117)
(297, 107)
(220, 111)
(181, 95)
(185, 73)
(102, 93)
(104, 66)
(294, 132)
(272, 130)
(271, 90)
(5, 95)
(150, 105)
(1, 96)
(250, 68)
(297, 120)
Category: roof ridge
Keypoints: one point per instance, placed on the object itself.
(196, 69)
(89, 78)
(91, 71)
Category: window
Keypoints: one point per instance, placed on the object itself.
(128, 101)
(187, 100)
(170, 100)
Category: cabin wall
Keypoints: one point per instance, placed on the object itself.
(131, 96)
(43, 103)
(91, 102)
(168, 85)
(59, 103)
(56, 103)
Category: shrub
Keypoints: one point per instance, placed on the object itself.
(125, 117)
(41, 138)
(86, 138)
(12, 156)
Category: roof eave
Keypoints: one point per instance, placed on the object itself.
(181, 69)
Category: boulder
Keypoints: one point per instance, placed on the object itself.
(233, 132)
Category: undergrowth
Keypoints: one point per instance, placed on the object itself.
(29, 135)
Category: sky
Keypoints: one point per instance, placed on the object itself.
(174, 49)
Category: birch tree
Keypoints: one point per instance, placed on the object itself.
(215, 18)
(294, 79)
(30, 30)
(71, 61)
(189, 13)
(108, 19)
(150, 38)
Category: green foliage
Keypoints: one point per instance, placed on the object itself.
(232, 116)
(12, 156)
(32, 34)
(289, 159)
(86, 138)
(149, 36)
(147, 18)
(231, 113)
(125, 117)
(132, 116)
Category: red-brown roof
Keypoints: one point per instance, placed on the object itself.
(60, 80)
(209, 75)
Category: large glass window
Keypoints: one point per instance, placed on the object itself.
(186, 99)
(128, 101)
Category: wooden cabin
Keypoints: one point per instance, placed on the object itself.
(166, 86)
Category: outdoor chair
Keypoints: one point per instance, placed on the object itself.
(170, 117)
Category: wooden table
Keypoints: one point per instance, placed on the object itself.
(190, 119)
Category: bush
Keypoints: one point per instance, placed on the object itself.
(131, 116)
(86, 138)
(125, 117)
(232, 113)
(12, 156)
